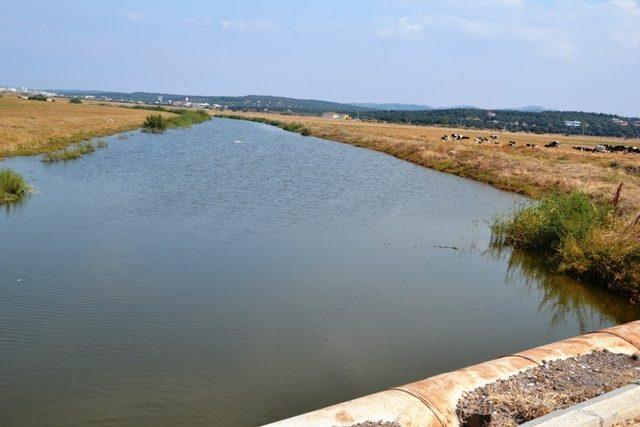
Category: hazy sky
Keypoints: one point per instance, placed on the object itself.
(565, 54)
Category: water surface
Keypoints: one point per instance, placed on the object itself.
(234, 274)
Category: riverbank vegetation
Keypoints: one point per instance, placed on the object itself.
(296, 127)
(37, 98)
(579, 226)
(13, 187)
(580, 236)
(70, 153)
(156, 123)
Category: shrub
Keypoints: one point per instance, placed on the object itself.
(75, 101)
(154, 123)
(37, 98)
(13, 186)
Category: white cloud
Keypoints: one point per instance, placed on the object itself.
(402, 28)
(133, 16)
(241, 25)
(629, 7)
(562, 29)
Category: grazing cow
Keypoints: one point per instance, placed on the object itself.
(581, 148)
(445, 138)
(512, 143)
(531, 145)
(600, 149)
(494, 137)
(552, 144)
(458, 136)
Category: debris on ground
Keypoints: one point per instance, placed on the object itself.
(543, 389)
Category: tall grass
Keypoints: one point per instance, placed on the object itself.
(156, 123)
(579, 236)
(73, 152)
(13, 186)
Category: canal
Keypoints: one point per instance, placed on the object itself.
(235, 274)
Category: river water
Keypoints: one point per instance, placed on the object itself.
(234, 274)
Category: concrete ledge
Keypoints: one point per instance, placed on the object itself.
(432, 402)
(616, 406)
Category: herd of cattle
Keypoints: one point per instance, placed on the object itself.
(601, 148)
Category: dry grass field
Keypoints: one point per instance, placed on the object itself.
(530, 171)
(32, 127)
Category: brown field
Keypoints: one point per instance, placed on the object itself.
(32, 127)
(530, 171)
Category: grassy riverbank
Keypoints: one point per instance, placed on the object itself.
(13, 186)
(576, 225)
(579, 236)
(156, 123)
(33, 127)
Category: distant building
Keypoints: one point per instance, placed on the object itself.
(573, 123)
(491, 114)
(620, 122)
(336, 116)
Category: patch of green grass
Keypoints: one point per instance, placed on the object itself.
(70, 153)
(579, 236)
(13, 187)
(545, 225)
(156, 123)
(37, 98)
(186, 118)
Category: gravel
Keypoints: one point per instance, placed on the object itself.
(544, 389)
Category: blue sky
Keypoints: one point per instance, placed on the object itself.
(565, 54)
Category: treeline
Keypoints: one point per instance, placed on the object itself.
(248, 102)
(594, 124)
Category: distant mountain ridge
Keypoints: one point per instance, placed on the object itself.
(256, 102)
(392, 106)
(529, 119)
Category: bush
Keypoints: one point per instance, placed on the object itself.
(37, 98)
(75, 101)
(154, 123)
(13, 186)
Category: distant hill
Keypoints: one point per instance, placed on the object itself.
(249, 102)
(562, 122)
(529, 119)
(391, 106)
(530, 109)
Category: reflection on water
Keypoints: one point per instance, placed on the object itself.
(186, 279)
(563, 297)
